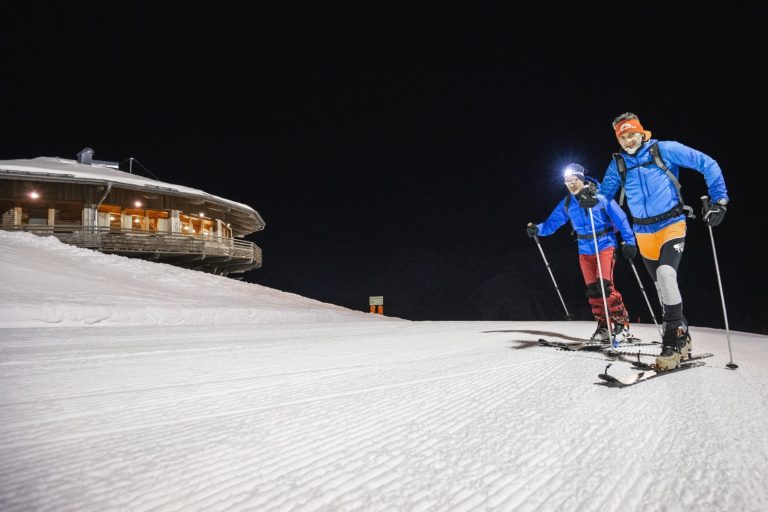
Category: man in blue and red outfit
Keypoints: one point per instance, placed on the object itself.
(608, 218)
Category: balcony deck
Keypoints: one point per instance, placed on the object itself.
(215, 255)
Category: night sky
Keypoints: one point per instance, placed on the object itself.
(400, 150)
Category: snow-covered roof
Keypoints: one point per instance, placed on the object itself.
(71, 170)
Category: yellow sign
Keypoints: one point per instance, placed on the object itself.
(376, 301)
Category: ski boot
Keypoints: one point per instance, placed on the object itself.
(620, 332)
(601, 334)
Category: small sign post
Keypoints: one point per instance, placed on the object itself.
(377, 304)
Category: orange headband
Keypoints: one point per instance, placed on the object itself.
(631, 126)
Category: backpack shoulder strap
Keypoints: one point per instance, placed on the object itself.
(621, 165)
(656, 154)
(567, 204)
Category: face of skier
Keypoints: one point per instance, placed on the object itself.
(574, 184)
(631, 142)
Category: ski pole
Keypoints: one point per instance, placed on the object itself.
(567, 314)
(731, 365)
(614, 344)
(639, 282)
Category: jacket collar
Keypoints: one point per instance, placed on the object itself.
(641, 151)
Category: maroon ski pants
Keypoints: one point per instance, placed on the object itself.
(588, 264)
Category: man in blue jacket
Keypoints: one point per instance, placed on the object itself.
(608, 217)
(649, 176)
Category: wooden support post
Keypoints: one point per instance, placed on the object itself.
(376, 301)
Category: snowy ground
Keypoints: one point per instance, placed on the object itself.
(125, 385)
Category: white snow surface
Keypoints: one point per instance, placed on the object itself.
(129, 385)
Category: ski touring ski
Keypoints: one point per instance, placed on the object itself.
(569, 344)
(642, 376)
(648, 371)
(642, 365)
(594, 345)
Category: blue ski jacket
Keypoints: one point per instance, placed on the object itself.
(608, 215)
(648, 189)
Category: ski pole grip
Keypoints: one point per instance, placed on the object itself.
(705, 200)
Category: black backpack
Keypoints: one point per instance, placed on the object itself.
(656, 154)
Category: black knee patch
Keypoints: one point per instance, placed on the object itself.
(595, 289)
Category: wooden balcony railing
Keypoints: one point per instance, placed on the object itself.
(208, 253)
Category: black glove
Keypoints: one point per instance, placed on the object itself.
(713, 214)
(587, 197)
(629, 251)
(532, 230)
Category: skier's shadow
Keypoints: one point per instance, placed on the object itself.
(541, 333)
(520, 344)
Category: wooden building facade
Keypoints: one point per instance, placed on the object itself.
(95, 205)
